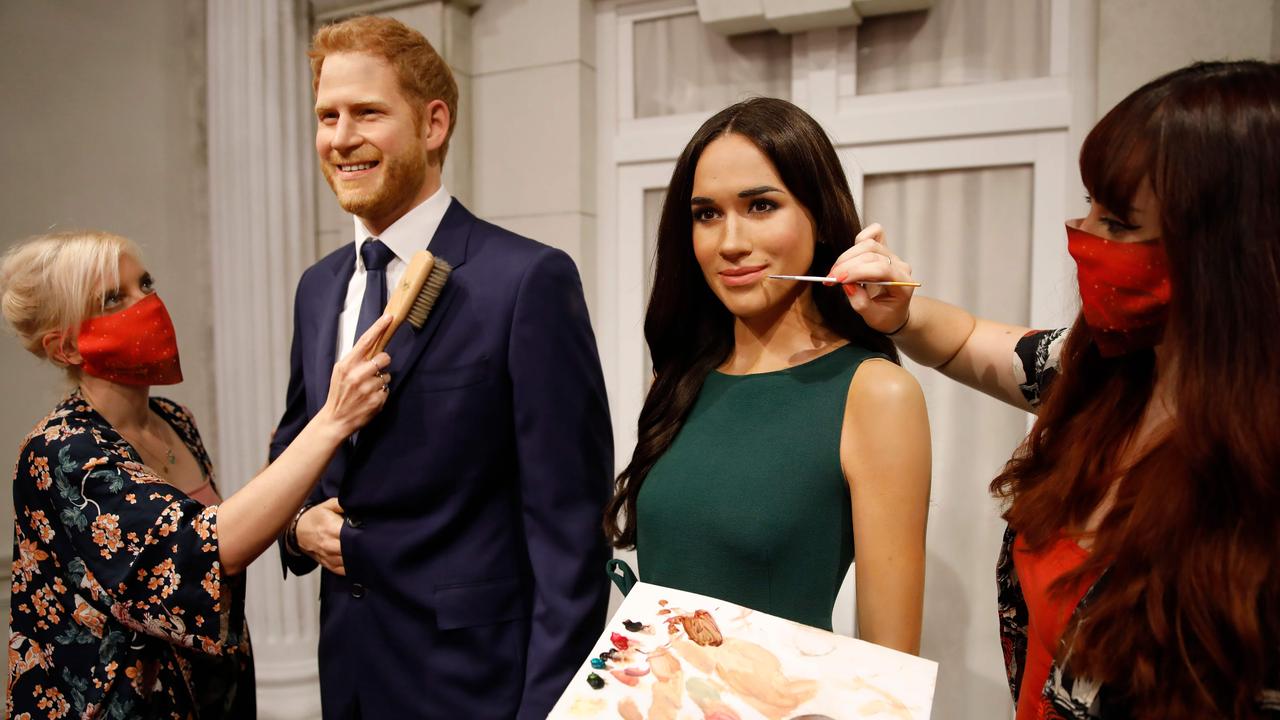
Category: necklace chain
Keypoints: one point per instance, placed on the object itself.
(169, 458)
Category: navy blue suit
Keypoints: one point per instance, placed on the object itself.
(472, 546)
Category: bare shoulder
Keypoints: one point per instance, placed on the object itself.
(885, 416)
(885, 444)
(880, 384)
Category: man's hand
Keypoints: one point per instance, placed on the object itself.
(318, 535)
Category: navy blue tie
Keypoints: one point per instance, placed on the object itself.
(376, 256)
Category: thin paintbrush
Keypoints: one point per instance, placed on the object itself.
(414, 296)
(819, 278)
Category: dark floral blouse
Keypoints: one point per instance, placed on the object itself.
(120, 608)
(1036, 364)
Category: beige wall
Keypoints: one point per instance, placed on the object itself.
(1139, 40)
(533, 83)
(102, 113)
(1275, 31)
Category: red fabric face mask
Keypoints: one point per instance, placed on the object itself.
(1124, 289)
(136, 346)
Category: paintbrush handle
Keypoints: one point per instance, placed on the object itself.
(824, 279)
(402, 297)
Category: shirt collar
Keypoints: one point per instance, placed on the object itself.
(412, 232)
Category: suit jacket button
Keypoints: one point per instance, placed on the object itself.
(353, 521)
(357, 590)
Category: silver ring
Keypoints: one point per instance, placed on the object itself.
(386, 387)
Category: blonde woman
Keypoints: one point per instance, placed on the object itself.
(128, 586)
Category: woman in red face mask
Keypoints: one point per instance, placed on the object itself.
(128, 581)
(1140, 574)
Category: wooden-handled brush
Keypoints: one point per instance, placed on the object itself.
(414, 296)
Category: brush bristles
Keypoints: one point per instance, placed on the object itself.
(429, 293)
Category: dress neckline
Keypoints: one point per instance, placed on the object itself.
(787, 370)
(159, 409)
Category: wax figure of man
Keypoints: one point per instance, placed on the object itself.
(459, 532)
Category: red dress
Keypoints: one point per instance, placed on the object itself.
(1047, 613)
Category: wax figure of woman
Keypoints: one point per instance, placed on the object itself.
(779, 433)
(1139, 573)
(128, 585)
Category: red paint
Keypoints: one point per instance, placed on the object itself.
(619, 641)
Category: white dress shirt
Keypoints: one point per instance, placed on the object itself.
(411, 233)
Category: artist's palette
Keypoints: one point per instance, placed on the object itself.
(672, 655)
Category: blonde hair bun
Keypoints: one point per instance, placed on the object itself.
(52, 282)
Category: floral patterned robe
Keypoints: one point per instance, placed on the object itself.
(120, 608)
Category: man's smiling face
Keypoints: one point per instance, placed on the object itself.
(369, 139)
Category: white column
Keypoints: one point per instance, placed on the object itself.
(262, 238)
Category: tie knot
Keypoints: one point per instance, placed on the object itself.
(375, 255)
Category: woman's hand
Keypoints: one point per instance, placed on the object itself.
(358, 387)
(885, 309)
(251, 519)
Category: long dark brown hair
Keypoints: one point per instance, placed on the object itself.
(688, 330)
(1185, 620)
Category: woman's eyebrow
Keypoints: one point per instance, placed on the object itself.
(749, 192)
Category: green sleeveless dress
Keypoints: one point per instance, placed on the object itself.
(749, 504)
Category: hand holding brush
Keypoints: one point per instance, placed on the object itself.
(879, 283)
(414, 295)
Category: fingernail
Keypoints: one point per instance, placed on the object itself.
(848, 289)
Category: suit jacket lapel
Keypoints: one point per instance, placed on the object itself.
(449, 243)
(325, 313)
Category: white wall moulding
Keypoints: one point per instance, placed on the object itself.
(868, 8)
(323, 11)
(791, 16)
(1013, 107)
(734, 17)
(703, 70)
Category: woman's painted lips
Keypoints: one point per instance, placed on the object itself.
(738, 276)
